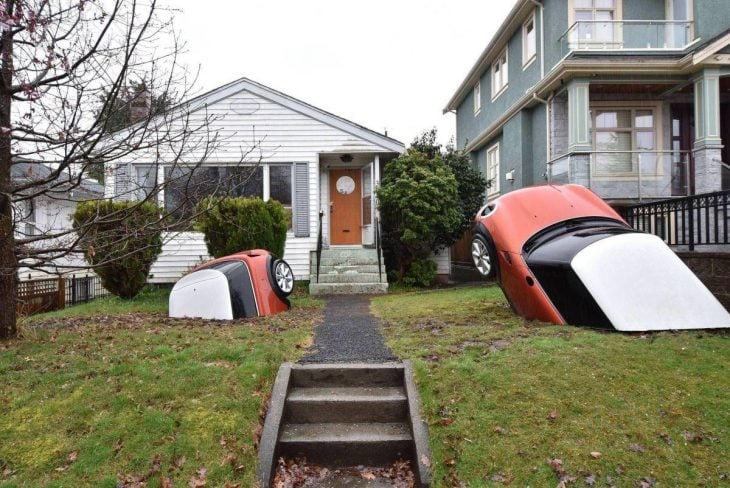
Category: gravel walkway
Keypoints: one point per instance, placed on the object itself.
(349, 334)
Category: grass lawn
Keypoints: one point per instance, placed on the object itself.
(113, 393)
(503, 397)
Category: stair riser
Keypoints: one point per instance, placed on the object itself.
(345, 269)
(365, 376)
(349, 278)
(307, 412)
(344, 454)
(346, 261)
(348, 288)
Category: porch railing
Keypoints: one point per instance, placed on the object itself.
(700, 220)
(319, 243)
(626, 175)
(627, 35)
(378, 248)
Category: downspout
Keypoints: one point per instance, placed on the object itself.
(542, 37)
(548, 141)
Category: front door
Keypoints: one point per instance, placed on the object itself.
(682, 140)
(345, 207)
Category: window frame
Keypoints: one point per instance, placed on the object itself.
(494, 189)
(657, 130)
(503, 62)
(527, 58)
(477, 95)
(617, 18)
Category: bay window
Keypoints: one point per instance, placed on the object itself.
(625, 139)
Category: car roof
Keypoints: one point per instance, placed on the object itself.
(520, 214)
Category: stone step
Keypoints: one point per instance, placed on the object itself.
(349, 268)
(346, 261)
(348, 252)
(347, 288)
(347, 278)
(347, 444)
(346, 404)
(347, 375)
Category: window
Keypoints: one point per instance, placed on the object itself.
(477, 97)
(493, 170)
(625, 140)
(529, 41)
(367, 195)
(146, 181)
(29, 216)
(187, 186)
(499, 74)
(595, 19)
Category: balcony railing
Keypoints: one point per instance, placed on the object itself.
(627, 35)
(626, 175)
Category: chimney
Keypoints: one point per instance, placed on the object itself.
(139, 107)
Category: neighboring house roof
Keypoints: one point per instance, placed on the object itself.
(26, 171)
(245, 84)
(518, 13)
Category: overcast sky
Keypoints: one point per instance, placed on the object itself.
(383, 64)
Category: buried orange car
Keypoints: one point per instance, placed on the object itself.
(562, 255)
(246, 284)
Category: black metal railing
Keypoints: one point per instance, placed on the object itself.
(319, 243)
(699, 220)
(378, 248)
(83, 289)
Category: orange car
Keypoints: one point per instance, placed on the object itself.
(562, 255)
(247, 284)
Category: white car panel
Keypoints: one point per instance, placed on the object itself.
(641, 285)
(202, 294)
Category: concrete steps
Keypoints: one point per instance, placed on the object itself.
(347, 271)
(341, 415)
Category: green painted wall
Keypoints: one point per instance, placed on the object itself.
(712, 17)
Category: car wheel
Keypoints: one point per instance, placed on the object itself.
(485, 259)
(283, 278)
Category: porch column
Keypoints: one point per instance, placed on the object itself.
(708, 141)
(579, 134)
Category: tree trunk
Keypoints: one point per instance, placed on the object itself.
(8, 261)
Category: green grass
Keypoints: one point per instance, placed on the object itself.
(489, 382)
(114, 391)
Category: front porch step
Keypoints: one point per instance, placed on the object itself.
(357, 260)
(348, 269)
(347, 288)
(355, 277)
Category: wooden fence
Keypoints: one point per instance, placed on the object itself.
(48, 294)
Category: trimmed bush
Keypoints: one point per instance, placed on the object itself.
(421, 273)
(233, 225)
(120, 240)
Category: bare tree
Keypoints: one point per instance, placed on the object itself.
(64, 67)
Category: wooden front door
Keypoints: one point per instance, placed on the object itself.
(345, 208)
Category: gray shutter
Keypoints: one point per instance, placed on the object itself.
(301, 200)
(122, 182)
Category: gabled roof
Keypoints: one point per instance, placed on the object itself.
(28, 171)
(244, 84)
(501, 37)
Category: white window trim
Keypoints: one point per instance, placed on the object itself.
(656, 107)
(493, 190)
(527, 60)
(669, 12)
(618, 30)
(504, 73)
(477, 94)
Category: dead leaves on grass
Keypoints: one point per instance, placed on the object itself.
(299, 474)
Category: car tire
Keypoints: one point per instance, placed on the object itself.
(282, 278)
(484, 256)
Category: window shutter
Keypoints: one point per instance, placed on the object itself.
(122, 182)
(301, 200)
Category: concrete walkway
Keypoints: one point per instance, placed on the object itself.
(349, 333)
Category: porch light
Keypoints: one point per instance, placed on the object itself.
(346, 158)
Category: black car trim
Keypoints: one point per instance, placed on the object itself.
(240, 287)
(568, 226)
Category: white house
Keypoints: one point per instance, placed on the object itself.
(308, 159)
(49, 214)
